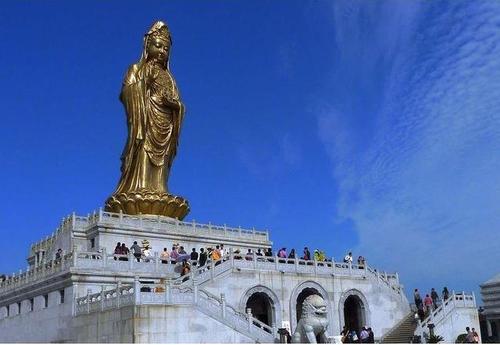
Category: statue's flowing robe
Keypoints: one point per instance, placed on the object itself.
(153, 128)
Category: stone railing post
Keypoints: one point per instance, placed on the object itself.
(231, 257)
(195, 293)
(131, 259)
(276, 259)
(100, 214)
(75, 298)
(88, 300)
(296, 264)
(102, 297)
(137, 290)
(315, 263)
(275, 329)
(118, 293)
(156, 261)
(168, 292)
(350, 268)
(249, 318)
(254, 258)
(223, 305)
(74, 256)
(121, 217)
(212, 269)
(463, 298)
(474, 299)
(104, 258)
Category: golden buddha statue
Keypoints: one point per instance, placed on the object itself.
(154, 113)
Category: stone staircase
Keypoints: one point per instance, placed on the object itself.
(226, 314)
(402, 332)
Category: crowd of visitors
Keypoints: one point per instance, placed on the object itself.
(430, 302)
(351, 336)
(217, 254)
(472, 337)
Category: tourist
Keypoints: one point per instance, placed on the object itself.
(321, 256)
(291, 256)
(446, 293)
(282, 255)
(146, 253)
(363, 336)
(216, 256)
(182, 251)
(136, 250)
(249, 255)
(237, 254)
(353, 337)
(203, 257)
(222, 251)
(475, 336)
(361, 262)
(194, 257)
(421, 313)
(344, 333)
(435, 297)
(371, 336)
(174, 255)
(118, 250)
(348, 258)
(161, 287)
(269, 254)
(124, 253)
(469, 338)
(417, 298)
(307, 254)
(316, 254)
(259, 254)
(164, 256)
(186, 269)
(59, 255)
(428, 303)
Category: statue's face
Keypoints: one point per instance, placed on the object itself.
(316, 305)
(158, 49)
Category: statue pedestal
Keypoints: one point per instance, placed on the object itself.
(135, 203)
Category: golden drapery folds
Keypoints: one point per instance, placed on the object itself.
(154, 116)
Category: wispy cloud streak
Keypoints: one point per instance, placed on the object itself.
(423, 188)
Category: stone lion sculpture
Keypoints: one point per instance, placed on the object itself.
(313, 322)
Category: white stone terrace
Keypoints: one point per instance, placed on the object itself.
(153, 224)
(95, 262)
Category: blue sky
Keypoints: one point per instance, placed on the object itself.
(371, 126)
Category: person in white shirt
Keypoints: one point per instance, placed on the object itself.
(364, 335)
(348, 258)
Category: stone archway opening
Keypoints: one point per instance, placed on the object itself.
(354, 317)
(262, 307)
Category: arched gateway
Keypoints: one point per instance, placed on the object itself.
(264, 304)
(353, 310)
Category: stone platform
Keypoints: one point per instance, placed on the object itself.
(88, 296)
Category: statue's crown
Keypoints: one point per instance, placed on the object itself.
(159, 29)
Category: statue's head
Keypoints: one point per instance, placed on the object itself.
(314, 305)
(157, 43)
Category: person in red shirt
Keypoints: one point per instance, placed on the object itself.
(428, 303)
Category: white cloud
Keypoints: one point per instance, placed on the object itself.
(424, 194)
